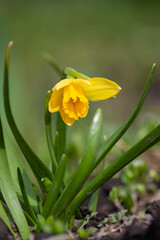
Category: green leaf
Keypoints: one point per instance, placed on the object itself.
(52, 226)
(92, 206)
(38, 167)
(147, 142)
(30, 221)
(71, 224)
(107, 146)
(15, 160)
(84, 233)
(25, 197)
(9, 194)
(49, 134)
(39, 201)
(55, 189)
(85, 167)
(113, 194)
(5, 218)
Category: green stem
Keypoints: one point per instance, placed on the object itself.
(53, 63)
(71, 72)
(49, 134)
(61, 137)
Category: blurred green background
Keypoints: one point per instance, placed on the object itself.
(119, 40)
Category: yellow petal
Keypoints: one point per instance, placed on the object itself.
(100, 89)
(65, 118)
(65, 82)
(55, 101)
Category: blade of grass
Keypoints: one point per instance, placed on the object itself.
(49, 134)
(94, 201)
(25, 197)
(9, 194)
(143, 145)
(30, 220)
(83, 170)
(107, 146)
(15, 159)
(37, 166)
(55, 189)
(5, 218)
(39, 202)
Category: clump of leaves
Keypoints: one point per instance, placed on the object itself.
(48, 202)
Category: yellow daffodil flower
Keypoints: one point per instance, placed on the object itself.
(70, 96)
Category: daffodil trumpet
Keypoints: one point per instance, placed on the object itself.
(71, 96)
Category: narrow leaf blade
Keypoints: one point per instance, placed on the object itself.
(9, 194)
(25, 197)
(15, 160)
(107, 146)
(37, 166)
(55, 189)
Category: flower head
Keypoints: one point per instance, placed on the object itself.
(71, 96)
